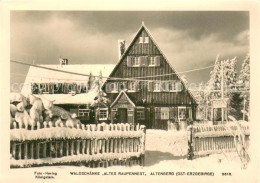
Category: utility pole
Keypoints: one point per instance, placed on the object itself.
(222, 91)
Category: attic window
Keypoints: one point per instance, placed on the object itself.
(146, 40)
(141, 40)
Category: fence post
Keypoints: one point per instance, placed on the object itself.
(142, 145)
(32, 150)
(190, 145)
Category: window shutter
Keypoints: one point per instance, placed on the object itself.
(150, 86)
(129, 61)
(145, 61)
(157, 60)
(108, 87)
(139, 60)
(116, 86)
(162, 86)
(157, 113)
(171, 111)
(136, 86)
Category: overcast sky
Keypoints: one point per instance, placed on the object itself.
(188, 39)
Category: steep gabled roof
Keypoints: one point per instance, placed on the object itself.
(118, 97)
(150, 35)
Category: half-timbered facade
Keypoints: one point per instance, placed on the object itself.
(144, 87)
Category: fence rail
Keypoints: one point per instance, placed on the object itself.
(94, 145)
(209, 139)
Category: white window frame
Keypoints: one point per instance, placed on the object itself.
(183, 117)
(152, 61)
(136, 62)
(165, 113)
(146, 39)
(114, 87)
(45, 88)
(131, 86)
(173, 86)
(105, 115)
(141, 40)
(157, 86)
(83, 112)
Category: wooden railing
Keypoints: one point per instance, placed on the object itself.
(210, 139)
(93, 145)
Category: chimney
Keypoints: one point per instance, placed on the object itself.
(63, 61)
(121, 48)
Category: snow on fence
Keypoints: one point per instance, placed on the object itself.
(210, 139)
(99, 145)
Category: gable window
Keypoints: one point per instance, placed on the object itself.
(146, 40)
(164, 113)
(103, 114)
(141, 40)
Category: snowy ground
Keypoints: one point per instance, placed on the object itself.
(167, 150)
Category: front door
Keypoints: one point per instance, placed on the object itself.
(122, 115)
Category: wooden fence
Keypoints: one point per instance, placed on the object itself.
(99, 145)
(210, 139)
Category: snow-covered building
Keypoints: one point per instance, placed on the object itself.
(149, 91)
(75, 93)
(142, 87)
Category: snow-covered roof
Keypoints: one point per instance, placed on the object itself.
(41, 75)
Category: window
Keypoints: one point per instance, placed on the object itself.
(136, 62)
(45, 88)
(140, 115)
(181, 113)
(157, 86)
(164, 113)
(146, 40)
(152, 61)
(113, 87)
(84, 113)
(141, 40)
(131, 86)
(171, 86)
(103, 114)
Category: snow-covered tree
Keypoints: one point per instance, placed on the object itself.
(91, 80)
(230, 78)
(244, 82)
(100, 100)
(244, 77)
